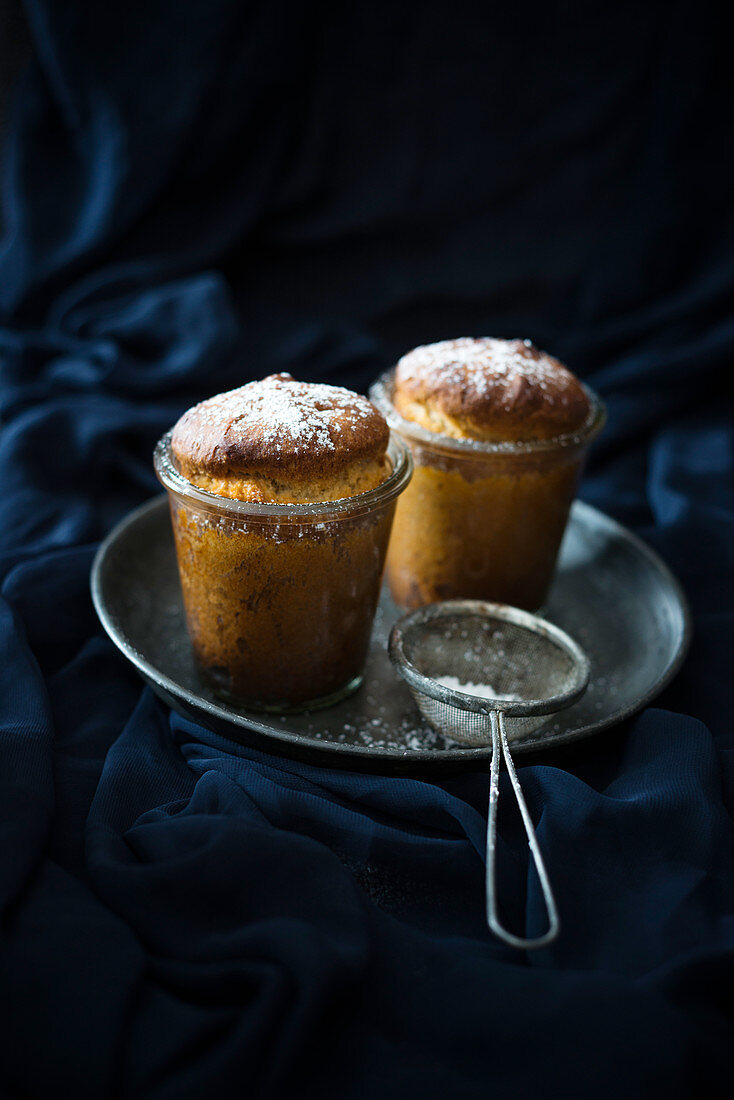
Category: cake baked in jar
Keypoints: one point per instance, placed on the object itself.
(499, 431)
(282, 497)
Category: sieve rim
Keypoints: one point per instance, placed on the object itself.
(476, 704)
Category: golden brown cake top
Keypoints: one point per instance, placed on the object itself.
(282, 440)
(490, 390)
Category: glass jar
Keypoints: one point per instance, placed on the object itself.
(481, 520)
(280, 598)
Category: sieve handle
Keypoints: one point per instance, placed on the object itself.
(499, 737)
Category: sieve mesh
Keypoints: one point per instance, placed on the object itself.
(515, 653)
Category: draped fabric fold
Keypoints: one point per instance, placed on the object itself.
(199, 194)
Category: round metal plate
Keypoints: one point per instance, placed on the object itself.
(611, 593)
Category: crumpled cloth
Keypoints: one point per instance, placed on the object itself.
(195, 195)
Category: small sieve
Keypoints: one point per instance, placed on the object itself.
(486, 673)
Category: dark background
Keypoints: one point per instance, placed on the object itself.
(196, 194)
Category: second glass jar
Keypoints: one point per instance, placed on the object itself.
(481, 520)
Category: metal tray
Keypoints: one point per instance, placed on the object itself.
(611, 593)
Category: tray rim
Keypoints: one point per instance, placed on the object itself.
(227, 721)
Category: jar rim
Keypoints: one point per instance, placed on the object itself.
(381, 392)
(173, 480)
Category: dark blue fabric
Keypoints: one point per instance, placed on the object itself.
(197, 194)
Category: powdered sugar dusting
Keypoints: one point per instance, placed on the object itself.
(287, 415)
(486, 368)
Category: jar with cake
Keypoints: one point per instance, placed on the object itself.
(282, 498)
(499, 432)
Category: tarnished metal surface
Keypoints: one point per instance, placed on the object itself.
(611, 593)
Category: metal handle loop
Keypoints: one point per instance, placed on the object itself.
(499, 736)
